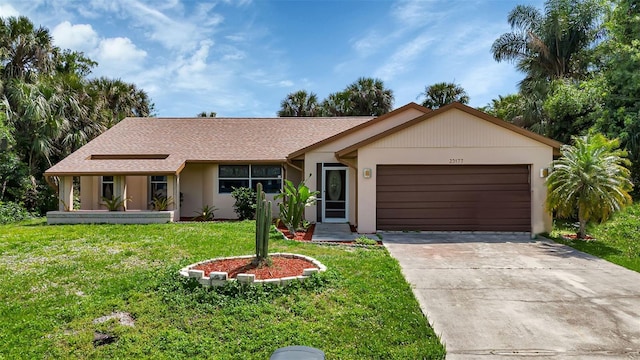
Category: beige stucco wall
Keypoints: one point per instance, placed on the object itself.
(315, 157)
(137, 192)
(199, 186)
(453, 138)
(326, 154)
(89, 192)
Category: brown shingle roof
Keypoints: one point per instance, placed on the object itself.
(127, 147)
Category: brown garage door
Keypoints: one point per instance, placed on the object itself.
(453, 198)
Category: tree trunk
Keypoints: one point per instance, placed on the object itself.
(582, 231)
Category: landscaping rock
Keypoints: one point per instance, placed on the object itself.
(124, 318)
(100, 339)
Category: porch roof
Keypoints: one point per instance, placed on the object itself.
(164, 145)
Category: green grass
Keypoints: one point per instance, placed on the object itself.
(55, 280)
(617, 240)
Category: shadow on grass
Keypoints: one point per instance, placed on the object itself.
(584, 249)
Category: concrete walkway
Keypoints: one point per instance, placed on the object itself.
(333, 232)
(504, 296)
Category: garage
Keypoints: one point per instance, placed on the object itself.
(453, 197)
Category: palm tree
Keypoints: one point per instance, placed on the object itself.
(35, 117)
(115, 99)
(443, 93)
(25, 51)
(369, 97)
(591, 179)
(299, 104)
(337, 104)
(550, 46)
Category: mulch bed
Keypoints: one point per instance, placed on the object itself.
(299, 235)
(575, 237)
(280, 267)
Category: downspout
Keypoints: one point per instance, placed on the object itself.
(288, 162)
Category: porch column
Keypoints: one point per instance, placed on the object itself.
(176, 203)
(120, 189)
(173, 191)
(65, 193)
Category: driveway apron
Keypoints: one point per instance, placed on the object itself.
(494, 296)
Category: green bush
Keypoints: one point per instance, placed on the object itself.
(364, 240)
(294, 201)
(245, 205)
(13, 212)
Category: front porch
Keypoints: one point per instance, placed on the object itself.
(110, 217)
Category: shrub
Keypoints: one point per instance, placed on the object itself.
(363, 240)
(13, 212)
(114, 204)
(205, 214)
(294, 201)
(161, 203)
(245, 205)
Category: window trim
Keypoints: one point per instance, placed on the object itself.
(103, 182)
(151, 182)
(250, 178)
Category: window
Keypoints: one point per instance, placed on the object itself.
(231, 176)
(106, 187)
(157, 187)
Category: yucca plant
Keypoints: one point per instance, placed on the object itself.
(114, 203)
(161, 203)
(263, 226)
(294, 201)
(205, 214)
(589, 179)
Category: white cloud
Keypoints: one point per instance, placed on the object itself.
(402, 59)
(119, 50)
(182, 34)
(485, 80)
(412, 13)
(7, 10)
(196, 64)
(80, 37)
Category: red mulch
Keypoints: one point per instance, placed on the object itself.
(575, 237)
(299, 235)
(280, 267)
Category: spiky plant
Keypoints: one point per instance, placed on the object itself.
(590, 180)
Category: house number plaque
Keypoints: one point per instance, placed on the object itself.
(456, 161)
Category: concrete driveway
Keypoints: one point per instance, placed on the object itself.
(493, 296)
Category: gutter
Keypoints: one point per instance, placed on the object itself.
(288, 162)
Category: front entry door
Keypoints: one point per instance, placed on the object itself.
(334, 194)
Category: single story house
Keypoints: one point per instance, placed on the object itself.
(450, 169)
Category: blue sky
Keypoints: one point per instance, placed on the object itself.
(241, 58)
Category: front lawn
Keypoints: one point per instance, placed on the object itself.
(617, 240)
(55, 280)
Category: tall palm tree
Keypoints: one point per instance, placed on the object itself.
(300, 103)
(115, 99)
(25, 51)
(550, 46)
(590, 179)
(337, 104)
(368, 96)
(443, 93)
(35, 117)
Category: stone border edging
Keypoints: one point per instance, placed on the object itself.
(221, 278)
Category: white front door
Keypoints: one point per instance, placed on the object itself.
(335, 187)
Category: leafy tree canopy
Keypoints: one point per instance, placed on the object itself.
(49, 108)
(443, 93)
